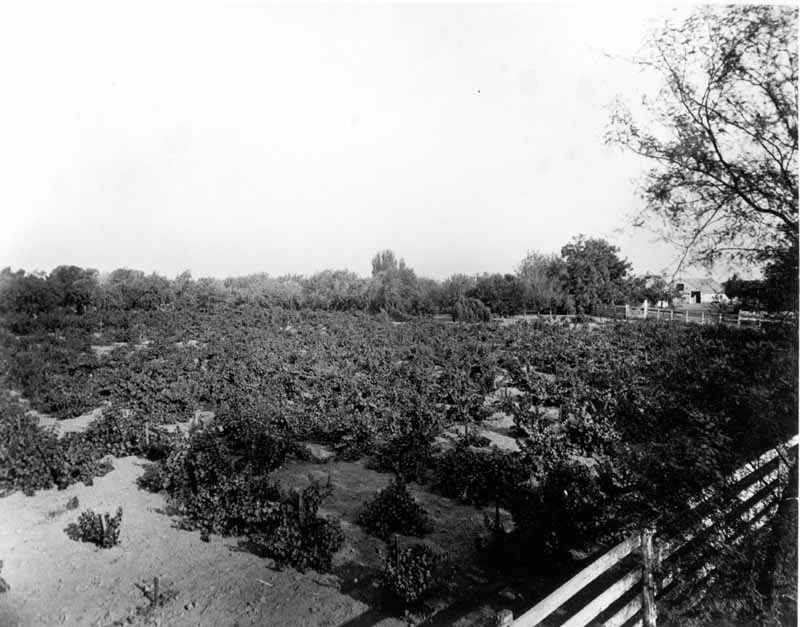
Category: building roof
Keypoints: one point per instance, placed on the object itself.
(702, 285)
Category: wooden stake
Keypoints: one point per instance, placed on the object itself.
(648, 583)
(155, 591)
(504, 618)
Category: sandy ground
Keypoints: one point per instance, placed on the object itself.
(57, 581)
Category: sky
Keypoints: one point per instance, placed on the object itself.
(232, 138)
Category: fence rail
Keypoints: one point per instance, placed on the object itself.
(757, 484)
(687, 315)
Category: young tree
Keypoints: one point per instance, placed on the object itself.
(722, 133)
(595, 274)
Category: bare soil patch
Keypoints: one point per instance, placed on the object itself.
(58, 581)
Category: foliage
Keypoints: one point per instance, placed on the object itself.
(477, 477)
(4, 586)
(394, 510)
(503, 294)
(409, 455)
(470, 310)
(99, 529)
(120, 433)
(595, 275)
(721, 133)
(294, 534)
(152, 479)
(34, 458)
(629, 419)
(394, 288)
(544, 280)
(411, 574)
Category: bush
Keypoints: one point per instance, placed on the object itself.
(30, 456)
(4, 587)
(470, 310)
(477, 477)
(34, 458)
(102, 530)
(293, 534)
(152, 479)
(411, 574)
(120, 434)
(394, 510)
(568, 509)
(409, 455)
(218, 489)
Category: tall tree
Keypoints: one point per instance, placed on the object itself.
(595, 273)
(543, 278)
(74, 287)
(721, 134)
(383, 261)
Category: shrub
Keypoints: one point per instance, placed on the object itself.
(152, 479)
(4, 587)
(568, 509)
(411, 574)
(470, 310)
(118, 433)
(409, 455)
(477, 477)
(99, 529)
(82, 460)
(394, 510)
(34, 458)
(30, 456)
(293, 534)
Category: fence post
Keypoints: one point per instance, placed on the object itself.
(658, 314)
(702, 317)
(739, 319)
(644, 310)
(671, 315)
(719, 321)
(504, 618)
(648, 583)
(687, 316)
(627, 311)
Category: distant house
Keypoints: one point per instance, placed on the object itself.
(696, 290)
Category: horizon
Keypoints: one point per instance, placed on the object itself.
(459, 136)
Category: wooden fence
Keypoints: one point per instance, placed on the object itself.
(687, 315)
(624, 584)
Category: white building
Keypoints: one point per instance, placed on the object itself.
(699, 290)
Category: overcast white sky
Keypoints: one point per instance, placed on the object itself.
(236, 138)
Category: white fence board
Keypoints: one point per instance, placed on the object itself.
(557, 598)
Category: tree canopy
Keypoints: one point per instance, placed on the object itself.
(721, 134)
(595, 273)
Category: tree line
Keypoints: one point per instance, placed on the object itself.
(587, 273)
